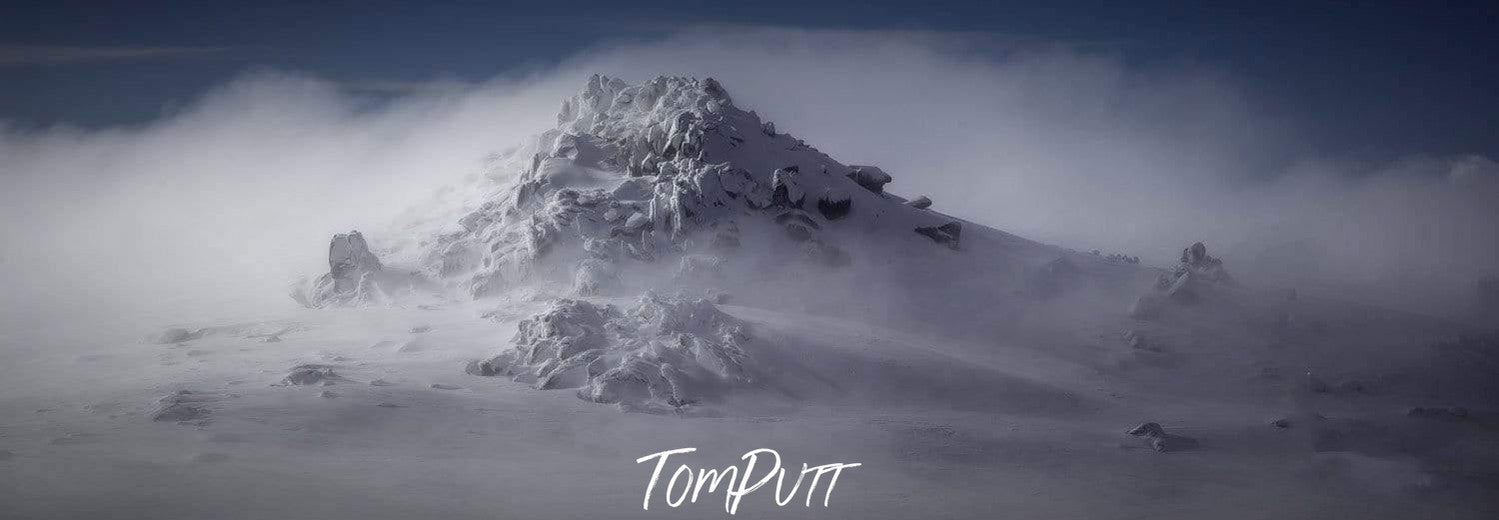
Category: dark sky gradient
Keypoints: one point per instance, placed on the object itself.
(1373, 80)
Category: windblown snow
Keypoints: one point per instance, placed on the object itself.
(662, 250)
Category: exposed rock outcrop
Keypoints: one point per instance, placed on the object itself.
(870, 178)
(949, 234)
(632, 179)
(1156, 437)
(311, 374)
(1195, 275)
(661, 352)
(356, 276)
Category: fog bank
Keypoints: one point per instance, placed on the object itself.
(217, 206)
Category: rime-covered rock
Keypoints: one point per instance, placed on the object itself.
(834, 204)
(1156, 437)
(785, 187)
(356, 276)
(922, 202)
(949, 234)
(871, 178)
(311, 374)
(1188, 282)
(668, 352)
(633, 178)
(349, 259)
(1196, 261)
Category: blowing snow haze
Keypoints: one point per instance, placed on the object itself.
(1068, 275)
(1054, 143)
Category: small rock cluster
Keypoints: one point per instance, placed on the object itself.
(183, 406)
(311, 374)
(1185, 284)
(662, 352)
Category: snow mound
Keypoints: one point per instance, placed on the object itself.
(660, 352)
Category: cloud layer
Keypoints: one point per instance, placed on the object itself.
(58, 55)
(226, 200)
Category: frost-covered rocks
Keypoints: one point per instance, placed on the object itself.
(1196, 271)
(1196, 274)
(922, 202)
(1156, 437)
(355, 276)
(631, 180)
(311, 374)
(949, 234)
(1196, 264)
(349, 260)
(661, 352)
(871, 178)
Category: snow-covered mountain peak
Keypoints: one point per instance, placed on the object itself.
(610, 108)
(662, 181)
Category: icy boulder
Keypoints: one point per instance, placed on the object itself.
(1196, 262)
(661, 353)
(1195, 275)
(355, 276)
(949, 234)
(349, 260)
(870, 178)
(1191, 280)
(1156, 437)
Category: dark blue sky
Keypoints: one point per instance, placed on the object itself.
(1369, 78)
